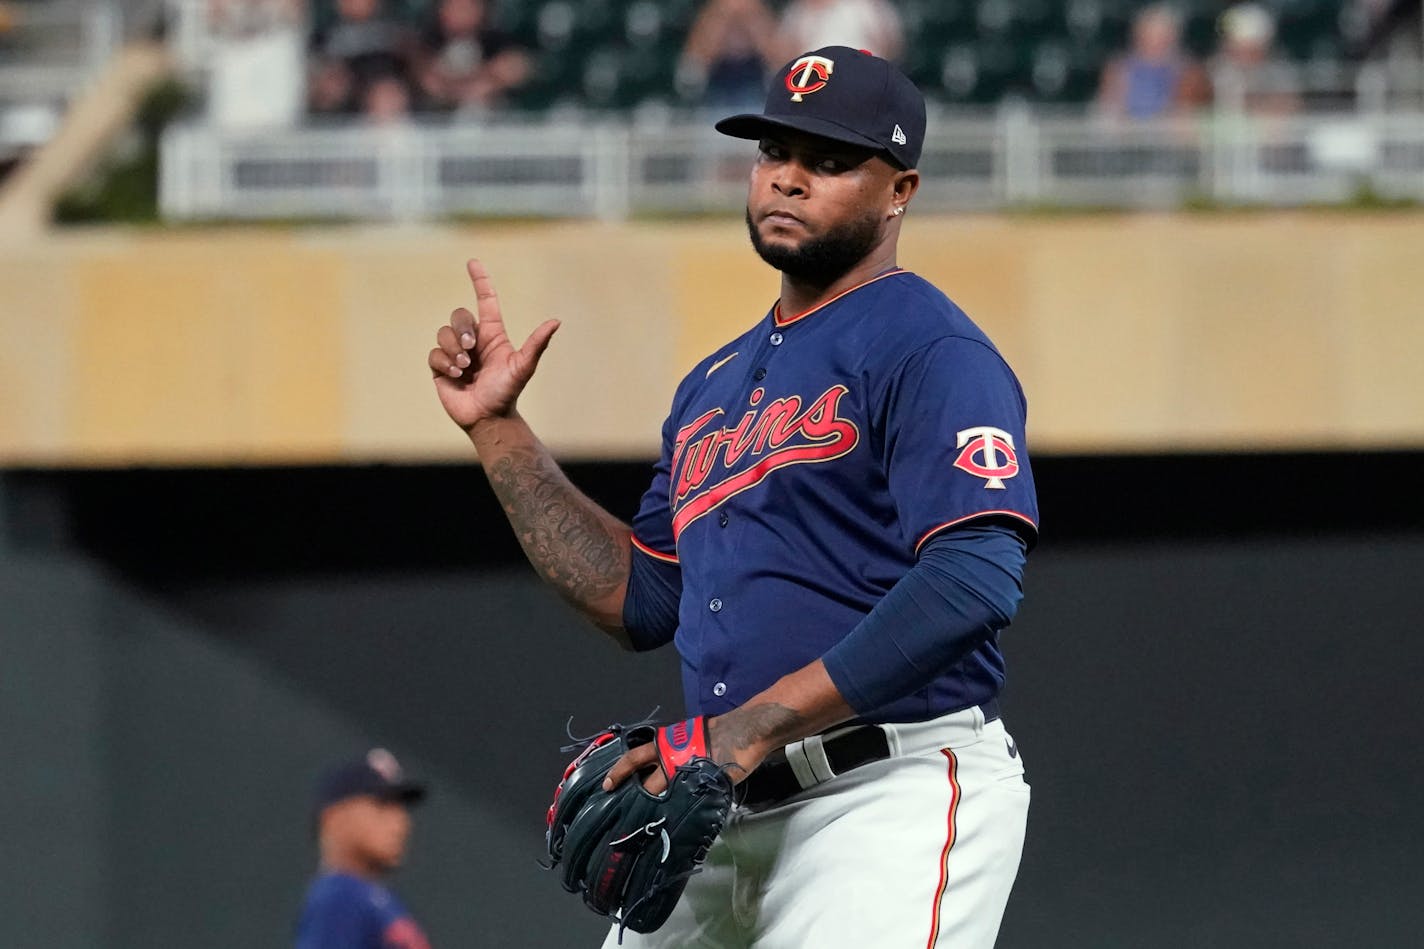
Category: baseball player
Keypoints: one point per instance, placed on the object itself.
(362, 814)
(834, 538)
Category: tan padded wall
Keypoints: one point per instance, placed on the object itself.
(276, 345)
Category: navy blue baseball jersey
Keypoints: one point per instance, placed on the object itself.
(803, 467)
(346, 912)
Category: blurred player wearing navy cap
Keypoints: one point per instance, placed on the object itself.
(362, 815)
(834, 537)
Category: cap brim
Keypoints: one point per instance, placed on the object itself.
(755, 126)
(407, 793)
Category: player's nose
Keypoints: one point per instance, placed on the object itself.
(789, 179)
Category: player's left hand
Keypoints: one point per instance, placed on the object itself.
(739, 761)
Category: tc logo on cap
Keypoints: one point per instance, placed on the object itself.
(808, 74)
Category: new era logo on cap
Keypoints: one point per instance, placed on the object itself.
(844, 95)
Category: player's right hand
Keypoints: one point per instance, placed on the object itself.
(478, 372)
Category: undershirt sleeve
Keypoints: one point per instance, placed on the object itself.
(965, 587)
(651, 601)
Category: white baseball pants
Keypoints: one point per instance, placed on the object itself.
(912, 852)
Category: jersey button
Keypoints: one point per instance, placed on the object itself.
(715, 606)
(719, 689)
(759, 375)
(722, 518)
(776, 339)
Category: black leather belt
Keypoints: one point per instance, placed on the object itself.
(775, 780)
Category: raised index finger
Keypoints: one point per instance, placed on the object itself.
(486, 300)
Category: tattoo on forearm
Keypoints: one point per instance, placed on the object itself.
(747, 726)
(573, 544)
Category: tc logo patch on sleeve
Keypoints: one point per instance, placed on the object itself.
(988, 453)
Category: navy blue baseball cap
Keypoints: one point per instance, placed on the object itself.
(846, 95)
(376, 775)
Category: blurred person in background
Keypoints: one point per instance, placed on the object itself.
(860, 24)
(466, 64)
(1247, 76)
(1395, 31)
(730, 52)
(331, 88)
(386, 100)
(381, 96)
(1156, 77)
(367, 39)
(258, 62)
(362, 814)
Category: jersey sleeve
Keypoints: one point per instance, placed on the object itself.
(652, 526)
(655, 580)
(953, 419)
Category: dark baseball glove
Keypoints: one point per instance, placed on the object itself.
(628, 852)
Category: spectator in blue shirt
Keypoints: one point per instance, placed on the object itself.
(731, 53)
(1156, 77)
(362, 816)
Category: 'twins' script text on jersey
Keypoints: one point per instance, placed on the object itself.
(781, 433)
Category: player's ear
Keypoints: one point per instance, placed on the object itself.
(906, 184)
(903, 186)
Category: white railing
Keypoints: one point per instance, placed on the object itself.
(612, 170)
(56, 46)
(51, 51)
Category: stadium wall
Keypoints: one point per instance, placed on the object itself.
(268, 345)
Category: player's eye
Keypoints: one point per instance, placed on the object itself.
(772, 150)
(831, 165)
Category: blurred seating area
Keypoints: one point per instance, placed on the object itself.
(395, 57)
(603, 104)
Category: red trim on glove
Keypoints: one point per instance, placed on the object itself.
(679, 743)
(583, 756)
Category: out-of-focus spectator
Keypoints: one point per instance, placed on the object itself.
(730, 51)
(464, 62)
(860, 24)
(1246, 74)
(257, 62)
(331, 88)
(1156, 77)
(386, 100)
(1394, 30)
(359, 59)
(371, 42)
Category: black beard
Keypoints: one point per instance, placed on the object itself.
(820, 261)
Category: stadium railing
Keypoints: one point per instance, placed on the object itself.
(614, 169)
(51, 49)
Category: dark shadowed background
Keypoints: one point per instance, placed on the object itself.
(1213, 679)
